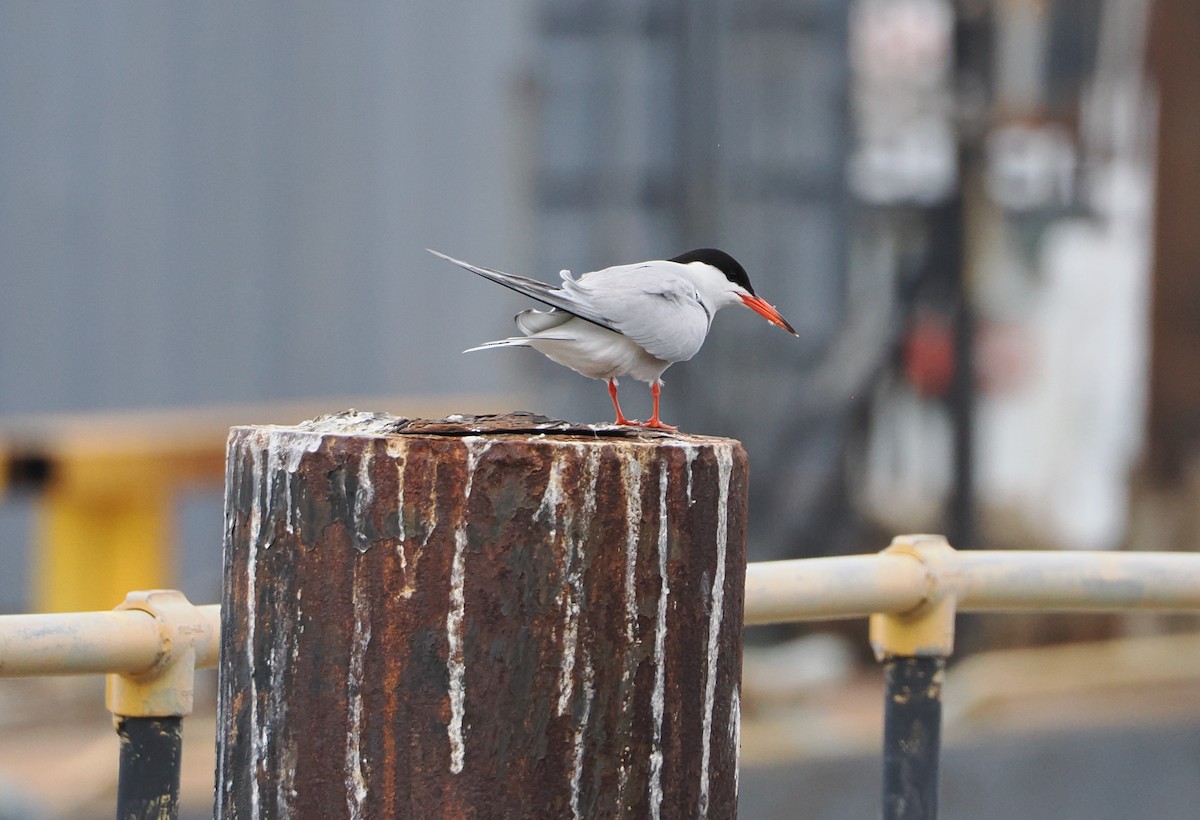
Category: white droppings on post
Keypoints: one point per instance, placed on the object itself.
(225, 687)
(735, 735)
(356, 783)
(285, 450)
(572, 590)
(658, 696)
(631, 478)
(364, 494)
(455, 661)
(589, 692)
(724, 454)
(410, 553)
(258, 737)
(299, 624)
(277, 451)
(397, 448)
(552, 496)
(690, 455)
(282, 637)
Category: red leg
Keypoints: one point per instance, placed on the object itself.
(655, 421)
(612, 392)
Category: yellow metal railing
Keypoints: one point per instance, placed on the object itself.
(149, 647)
(911, 581)
(913, 589)
(900, 580)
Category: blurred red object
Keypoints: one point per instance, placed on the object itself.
(928, 354)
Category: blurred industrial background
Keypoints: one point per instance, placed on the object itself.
(978, 215)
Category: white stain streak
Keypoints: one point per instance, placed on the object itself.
(364, 494)
(589, 692)
(356, 784)
(284, 634)
(258, 733)
(658, 696)
(285, 450)
(690, 454)
(397, 448)
(552, 497)
(400, 454)
(632, 480)
(724, 455)
(455, 661)
(572, 591)
(735, 736)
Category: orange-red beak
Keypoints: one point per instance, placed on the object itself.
(767, 312)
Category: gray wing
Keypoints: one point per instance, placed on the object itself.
(546, 294)
(650, 304)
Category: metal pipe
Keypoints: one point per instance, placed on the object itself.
(1076, 581)
(81, 643)
(848, 586)
(776, 592)
(78, 643)
(981, 581)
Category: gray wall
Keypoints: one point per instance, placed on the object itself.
(220, 201)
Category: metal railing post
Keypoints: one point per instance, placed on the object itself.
(148, 778)
(148, 706)
(913, 647)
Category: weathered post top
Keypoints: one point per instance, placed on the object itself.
(501, 616)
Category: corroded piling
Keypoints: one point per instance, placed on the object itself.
(501, 617)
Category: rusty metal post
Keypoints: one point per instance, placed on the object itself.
(500, 617)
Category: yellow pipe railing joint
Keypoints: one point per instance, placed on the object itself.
(928, 629)
(166, 688)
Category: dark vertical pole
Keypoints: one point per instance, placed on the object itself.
(972, 65)
(961, 399)
(912, 737)
(148, 781)
(457, 624)
(1173, 423)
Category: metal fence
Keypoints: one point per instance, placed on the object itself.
(153, 642)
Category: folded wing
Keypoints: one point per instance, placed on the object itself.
(654, 307)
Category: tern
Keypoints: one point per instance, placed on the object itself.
(629, 320)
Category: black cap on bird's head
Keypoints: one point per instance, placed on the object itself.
(737, 276)
(720, 260)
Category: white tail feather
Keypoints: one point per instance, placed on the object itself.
(521, 341)
(517, 341)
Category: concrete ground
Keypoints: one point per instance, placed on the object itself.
(1097, 774)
